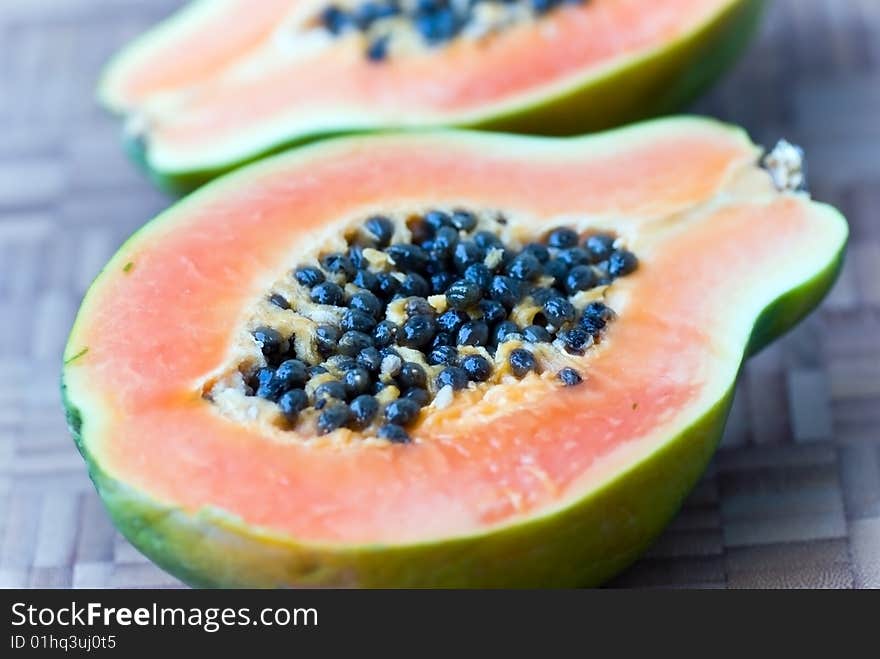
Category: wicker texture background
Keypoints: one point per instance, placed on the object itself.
(793, 497)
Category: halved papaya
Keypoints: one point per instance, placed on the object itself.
(225, 81)
(440, 359)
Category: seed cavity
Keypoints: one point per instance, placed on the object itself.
(416, 307)
(385, 24)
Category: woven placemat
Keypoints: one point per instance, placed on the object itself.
(793, 496)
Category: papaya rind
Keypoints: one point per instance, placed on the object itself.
(584, 542)
(640, 86)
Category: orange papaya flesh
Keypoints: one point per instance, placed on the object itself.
(522, 482)
(201, 100)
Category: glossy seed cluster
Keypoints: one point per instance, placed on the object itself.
(429, 315)
(435, 21)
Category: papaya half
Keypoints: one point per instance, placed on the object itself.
(224, 82)
(438, 359)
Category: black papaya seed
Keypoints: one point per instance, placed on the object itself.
(270, 340)
(356, 380)
(369, 359)
(569, 377)
(352, 342)
(279, 301)
(358, 321)
(599, 247)
(536, 334)
(558, 311)
(408, 257)
(446, 355)
(308, 276)
(366, 302)
(394, 434)
(477, 367)
(479, 274)
(292, 403)
(384, 333)
(333, 416)
(473, 333)
(411, 375)
(521, 362)
(363, 410)
(462, 294)
(292, 372)
(621, 263)
(452, 376)
(417, 331)
(402, 411)
(330, 389)
(339, 264)
(420, 396)
(414, 285)
(503, 330)
(463, 220)
(579, 278)
(380, 229)
(328, 293)
(562, 238)
(327, 338)
(452, 320)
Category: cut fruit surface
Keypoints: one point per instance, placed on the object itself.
(511, 481)
(203, 100)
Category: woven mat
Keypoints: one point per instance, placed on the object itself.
(793, 496)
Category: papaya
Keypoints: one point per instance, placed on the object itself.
(223, 82)
(445, 358)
